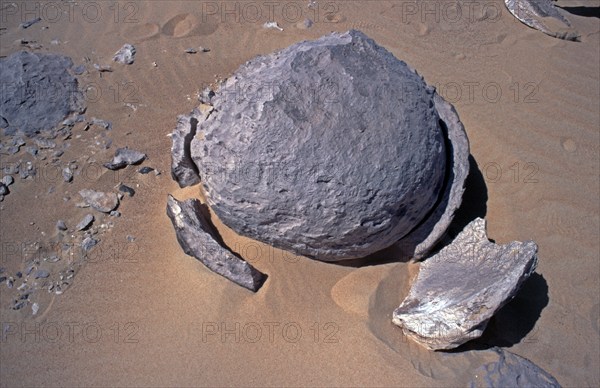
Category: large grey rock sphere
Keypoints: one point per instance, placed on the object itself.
(332, 149)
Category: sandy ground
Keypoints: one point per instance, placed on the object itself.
(144, 313)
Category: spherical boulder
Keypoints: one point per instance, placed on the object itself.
(333, 149)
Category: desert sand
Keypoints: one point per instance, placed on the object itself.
(144, 313)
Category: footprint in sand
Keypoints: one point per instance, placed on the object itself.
(186, 24)
(143, 32)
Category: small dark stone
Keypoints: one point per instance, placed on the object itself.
(42, 274)
(88, 243)
(61, 225)
(199, 238)
(7, 180)
(67, 174)
(145, 170)
(19, 274)
(126, 189)
(191, 51)
(85, 222)
(30, 23)
(3, 189)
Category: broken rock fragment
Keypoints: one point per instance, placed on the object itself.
(124, 157)
(460, 288)
(103, 202)
(198, 238)
(183, 169)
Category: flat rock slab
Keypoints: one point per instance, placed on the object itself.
(198, 238)
(511, 370)
(330, 149)
(37, 91)
(124, 157)
(460, 288)
(103, 202)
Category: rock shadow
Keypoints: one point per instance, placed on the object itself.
(590, 12)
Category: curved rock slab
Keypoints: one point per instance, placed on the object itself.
(461, 287)
(198, 238)
(332, 149)
(421, 240)
(511, 370)
(183, 169)
(533, 12)
(37, 92)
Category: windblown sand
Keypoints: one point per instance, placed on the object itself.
(144, 313)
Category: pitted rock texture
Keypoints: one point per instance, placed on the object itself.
(37, 92)
(329, 148)
(198, 238)
(461, 287)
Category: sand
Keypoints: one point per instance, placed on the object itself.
(144, 313)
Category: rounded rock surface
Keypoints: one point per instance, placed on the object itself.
(329, 148)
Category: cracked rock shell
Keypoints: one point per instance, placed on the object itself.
(333, 149)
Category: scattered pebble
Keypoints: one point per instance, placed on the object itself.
(145, 170)
(30, 23)
(67, 174)
(126, 189)
(125, 55)
(3, 189)
(85, 222)
(273, 25)
(124, 157)
(103, 202)
(42, 274)
(88, 243)
(103, 123)
(115, 213)
(130, 238)
(35, 308)
(7, 180)
(191, 51)
(103, 68)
